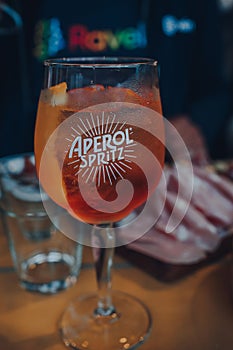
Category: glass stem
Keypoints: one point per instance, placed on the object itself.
(103, 252)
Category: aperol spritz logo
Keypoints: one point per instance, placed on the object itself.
(120, 146)
(102, 147)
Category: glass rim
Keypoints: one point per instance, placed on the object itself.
(16, 155)
(100, 61)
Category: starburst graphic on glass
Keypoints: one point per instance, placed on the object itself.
(101, 148)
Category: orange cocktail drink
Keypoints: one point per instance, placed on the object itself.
(104, 153)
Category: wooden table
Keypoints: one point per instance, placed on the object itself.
(194, 313)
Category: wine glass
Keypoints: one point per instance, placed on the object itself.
(99, 154)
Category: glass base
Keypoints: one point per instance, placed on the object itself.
(126, 328)
(49, 272)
